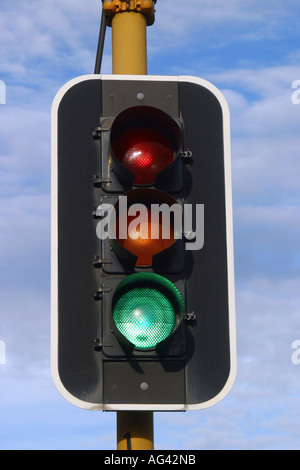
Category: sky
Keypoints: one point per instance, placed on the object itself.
(250, 50)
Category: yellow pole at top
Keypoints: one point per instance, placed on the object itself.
(129, 20)
(129, 49)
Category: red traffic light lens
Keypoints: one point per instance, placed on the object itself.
(144, 140)
(144, 152)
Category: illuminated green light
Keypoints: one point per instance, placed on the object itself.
(144, 316)
(147, 308)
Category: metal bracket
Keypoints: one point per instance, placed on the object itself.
(189, 236)
(99, 345)
(186, 155)
(146, 7)
(98, 294)
(98, 180)
(190, 316)
(98, 262)
(97, 132)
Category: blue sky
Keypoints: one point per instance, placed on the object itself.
(251, 51)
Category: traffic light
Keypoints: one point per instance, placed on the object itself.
(142, 251)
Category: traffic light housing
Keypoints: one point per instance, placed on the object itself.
(142, 251)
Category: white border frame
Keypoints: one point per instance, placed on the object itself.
(54, 247)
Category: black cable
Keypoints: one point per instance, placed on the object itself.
(100, 44)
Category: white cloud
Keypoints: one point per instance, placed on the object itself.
(203, 26)
(265, 134)
(185, 16)
(60, 34)
(63, 34)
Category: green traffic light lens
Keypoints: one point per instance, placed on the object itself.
(147, 308)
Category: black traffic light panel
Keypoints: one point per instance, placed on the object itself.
(142, 251)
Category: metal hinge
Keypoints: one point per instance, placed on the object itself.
(98, 262)
(99, 345)
(186, 155)
(190, 316)
(98, 294)
(98, 180)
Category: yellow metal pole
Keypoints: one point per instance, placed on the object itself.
(129, 20)
(129, 44)
(135, 430)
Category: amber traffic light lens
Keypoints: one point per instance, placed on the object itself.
(147, 227)
(139, 240)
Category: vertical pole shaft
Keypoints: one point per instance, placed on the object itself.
(129, 57)
(135, 430)
(129, 44)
